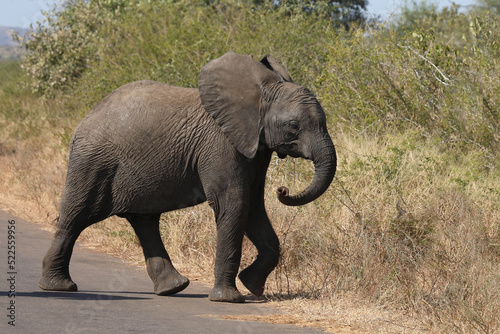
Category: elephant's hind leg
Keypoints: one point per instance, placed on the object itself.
(55, 266)
(165, 277)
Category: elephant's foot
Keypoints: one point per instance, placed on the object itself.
(165, 277)
(225, 294)
(170, 284)
(56, 283)
(254, 283)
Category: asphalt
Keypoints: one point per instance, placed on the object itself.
(113, 296)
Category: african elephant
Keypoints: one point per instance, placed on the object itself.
(149, 148)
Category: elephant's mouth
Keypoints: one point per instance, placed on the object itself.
(290, 149)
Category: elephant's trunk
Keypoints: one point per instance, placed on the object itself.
(325, 163)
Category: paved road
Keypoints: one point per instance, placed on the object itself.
(113, 298)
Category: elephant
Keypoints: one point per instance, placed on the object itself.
(149, 148)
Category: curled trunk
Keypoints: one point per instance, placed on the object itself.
(325, 163)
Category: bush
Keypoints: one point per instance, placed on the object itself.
(421, 80)
(60, 48)
(171, 42)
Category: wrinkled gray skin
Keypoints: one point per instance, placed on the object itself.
(149, 148)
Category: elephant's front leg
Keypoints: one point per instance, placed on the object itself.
(165, 277)
(261, 233)
(231, 216)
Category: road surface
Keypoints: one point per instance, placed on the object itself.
(113, 297)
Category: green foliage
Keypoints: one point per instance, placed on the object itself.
(443, 85)
(60, 48)
(10, 72)
(341, 12)
(11, 93)
(171, 42)
(23, 115)
(414, 14)
(492, 6)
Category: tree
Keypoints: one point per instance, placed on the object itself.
(342, 12)
(349, 11)
(60, 48)
(488, 5)
(413, 13)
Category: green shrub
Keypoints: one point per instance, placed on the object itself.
(171, 42)
(60, 48)
(418, 80)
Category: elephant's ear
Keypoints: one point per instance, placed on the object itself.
(230, 91)
(274, 66)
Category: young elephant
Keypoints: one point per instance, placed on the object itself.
(149, 148)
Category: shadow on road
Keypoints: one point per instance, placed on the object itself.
(81, 295)
(103, 295)
(194, 295)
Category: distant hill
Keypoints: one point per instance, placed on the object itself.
(5, 35)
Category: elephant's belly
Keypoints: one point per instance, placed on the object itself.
(181, 199)
(158, 195)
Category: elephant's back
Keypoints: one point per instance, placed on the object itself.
(146, 92)
(140, 111)
(142, 100)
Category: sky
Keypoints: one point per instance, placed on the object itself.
(22, 13)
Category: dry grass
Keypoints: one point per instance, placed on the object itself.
(397, 244)
(343, 314)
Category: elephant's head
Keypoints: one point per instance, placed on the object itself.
(257, 102)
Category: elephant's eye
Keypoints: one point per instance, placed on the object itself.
(294, 126)
(292, 132)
